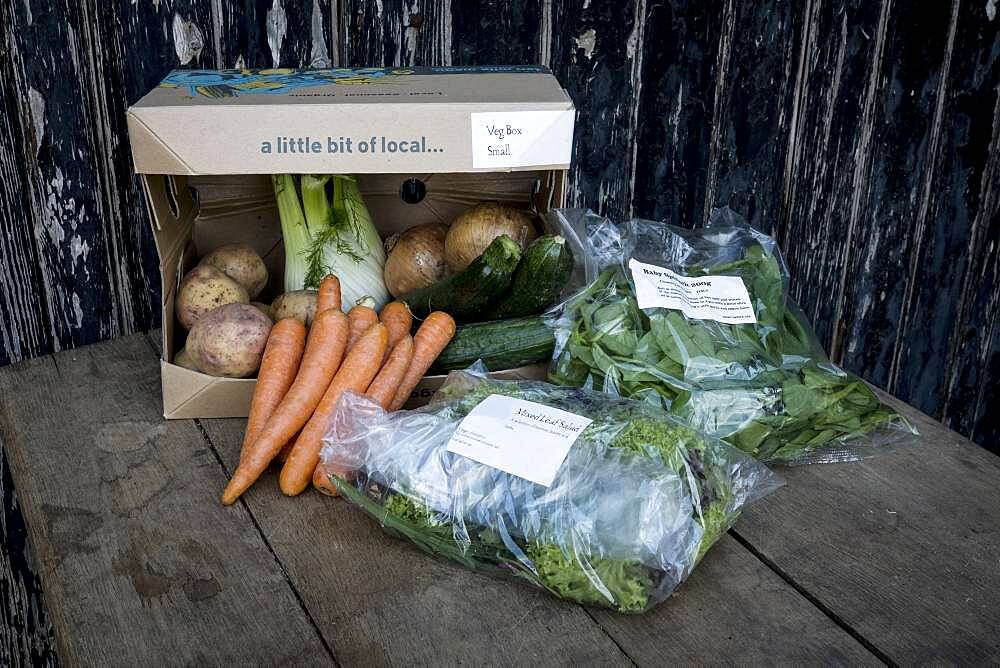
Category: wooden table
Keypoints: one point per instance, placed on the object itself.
(894, 559)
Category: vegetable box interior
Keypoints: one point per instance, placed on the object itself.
(438, 140)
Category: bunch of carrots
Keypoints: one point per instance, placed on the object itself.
(303, 375)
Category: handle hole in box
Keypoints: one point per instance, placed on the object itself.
(413, 191)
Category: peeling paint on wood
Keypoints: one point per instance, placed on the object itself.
(188, 40)
(319, 57)
(25, 631)
(277, 26)
(864, 134)
(835, 124)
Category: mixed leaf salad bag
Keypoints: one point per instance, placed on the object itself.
(599, 500)
(699, 322)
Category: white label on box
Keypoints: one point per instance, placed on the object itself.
(721, 298)
(522, 138)
(519, 437)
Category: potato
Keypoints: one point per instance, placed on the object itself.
(229, 340)
(265, 309)
(203, 289)
(182, 358)
(240, 263)
(300, 304)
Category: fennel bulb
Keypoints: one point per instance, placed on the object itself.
(327, 230)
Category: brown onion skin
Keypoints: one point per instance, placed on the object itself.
(476, 228)
(416, 260)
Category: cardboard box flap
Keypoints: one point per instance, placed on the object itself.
(189, 394)
(353, 121)
(157, 157)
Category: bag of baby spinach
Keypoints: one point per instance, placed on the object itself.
(699, 322)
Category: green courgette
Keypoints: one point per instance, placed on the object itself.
(500, 344)
(544, 269)
(466, 294)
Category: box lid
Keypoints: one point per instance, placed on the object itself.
(434, 119)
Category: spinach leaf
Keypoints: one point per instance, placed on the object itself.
(765, 387)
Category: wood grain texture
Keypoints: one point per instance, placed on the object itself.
(726, 591)
(130, 539)
(731, 608)
(25, 631)
(396, 33)
(596, 51)
(950, 370)
(903, 547)
(897, 551)
(734, 610)
(836, 52)
(675, 113)
(862, 133)
(866, 135)
(379, 601)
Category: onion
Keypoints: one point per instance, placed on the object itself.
(416, 258)
(475, 229)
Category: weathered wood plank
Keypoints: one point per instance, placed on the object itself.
(136, 556)
(830, 159)
(496, 32)
(716, 110)
(734, 610)
(755, 50)
(675, 112)
(889, 217)
(903, 548)
(597, 54)
(379, 601)
(25, 631)
(68, 270)
(946, 351)
(275, 33)
(396, 33)
(398, 583)
(24, 328)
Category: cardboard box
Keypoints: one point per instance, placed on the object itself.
(206, 141)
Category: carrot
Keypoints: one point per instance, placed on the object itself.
(321, 480)
(286, 448)
(382, 390)
(361, 318)
(398, 320)
(278, 367)
(356, 374)
(431, 338)
(324, 350)
(329, 293)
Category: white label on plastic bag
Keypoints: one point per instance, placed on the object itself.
(519, 437)
(522, 138)
(720, 298)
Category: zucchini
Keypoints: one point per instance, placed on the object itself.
(500, 344)
(465, 294)
(544, 269)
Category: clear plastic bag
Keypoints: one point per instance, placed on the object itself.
(766, 387)
(634, 506)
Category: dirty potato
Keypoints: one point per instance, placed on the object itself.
(203, 289)
(300, 304)
(240, 263)
(183, 358)
(229, 340)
